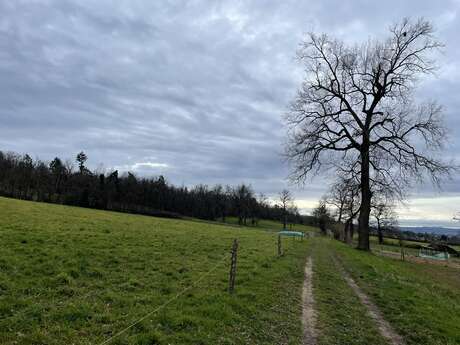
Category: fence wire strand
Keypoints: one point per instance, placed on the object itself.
(172, 299)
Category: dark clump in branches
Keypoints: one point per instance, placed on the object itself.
(356, 105)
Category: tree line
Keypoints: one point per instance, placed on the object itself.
(62, 182)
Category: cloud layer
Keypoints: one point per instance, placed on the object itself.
(194, 90)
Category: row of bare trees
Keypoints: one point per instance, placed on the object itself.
(355, 115)
(344, 197)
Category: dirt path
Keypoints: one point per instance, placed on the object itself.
(383, 326)
(308, 312)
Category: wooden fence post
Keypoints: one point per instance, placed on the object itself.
(401, 244)
(232, 276)
(280, 250)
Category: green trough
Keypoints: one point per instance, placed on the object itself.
(291, 233)
(434, 254)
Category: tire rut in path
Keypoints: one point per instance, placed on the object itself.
(383, 326)
(308, 311)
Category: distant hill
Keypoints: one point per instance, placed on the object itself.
(438, 230)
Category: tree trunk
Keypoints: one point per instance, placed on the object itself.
(365, 209)
(352, 231)
(349, 230)
(337, 233)
(284, 219)
(346, 230)
(343, 232)
(379, 231)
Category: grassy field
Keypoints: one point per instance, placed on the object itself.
(341, 317)
(422, 302)
(410, 247)
(77, 276)
(272, 226)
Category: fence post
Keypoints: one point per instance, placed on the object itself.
(232, 276)
(401, 245)
(280, 250)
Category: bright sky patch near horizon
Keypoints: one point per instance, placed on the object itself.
(193, 90)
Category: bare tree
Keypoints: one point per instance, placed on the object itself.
(337, 197)
(242, 196)
(264, 205)
(344, 196)
(385, 216)
(351, 209)
(286, 200)
(293, 215)
(322, 216)
(57, 169)
(356, 104)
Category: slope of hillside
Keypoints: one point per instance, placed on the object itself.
(80, 276)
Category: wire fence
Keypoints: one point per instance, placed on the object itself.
(191, 286)
(169, 301)
(254, 265)
(52, 304)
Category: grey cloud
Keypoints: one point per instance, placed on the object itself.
(200, 86)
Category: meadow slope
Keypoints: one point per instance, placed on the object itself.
(420, 301)
(78, 276)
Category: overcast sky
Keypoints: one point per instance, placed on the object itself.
(193, 90)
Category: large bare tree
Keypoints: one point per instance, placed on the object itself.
(356, 104)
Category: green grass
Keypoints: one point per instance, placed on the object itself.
(77, 276)
(393, 242)
(341, 317)
(422, 302)
(271, 225)
(392, 245)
